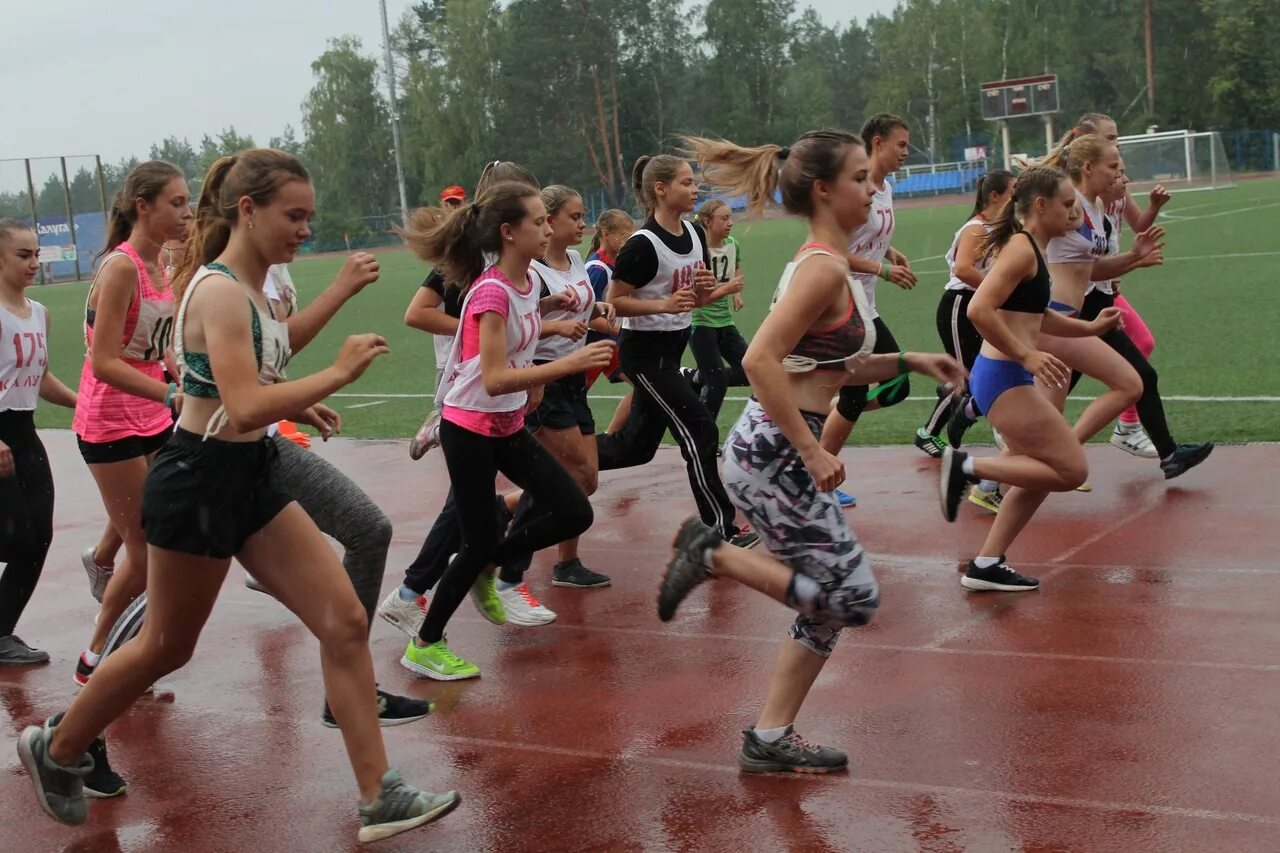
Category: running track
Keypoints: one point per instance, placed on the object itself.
(1125, 706)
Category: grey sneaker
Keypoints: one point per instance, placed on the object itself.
(59, 790)
(788, 754)
(400, 808)
(14, 652)
(98, 575)
(688, 566)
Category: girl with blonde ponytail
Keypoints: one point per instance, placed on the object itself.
(817, 338)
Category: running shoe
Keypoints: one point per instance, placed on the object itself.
(788, 754)
(574, 574)
(405, 615)
(997, 578)
(1186, 457)
(400, 808)
(393, 710)
(688, 566)
(59, 790)
(952, 481)
(98, 575)
(522, 608)
(745, 537)
(846, 500)
(1134, 441)
(437, 661)
(14, 652)
(930, 445)
(959, 422)
(102, 782)
(690, 375)
(1085, 487)
(988, 499)
(484, 595)
(428, 436)
(998, 438)
(84, 670)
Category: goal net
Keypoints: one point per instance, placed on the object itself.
(1179, 159)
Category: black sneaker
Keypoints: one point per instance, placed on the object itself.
(102, 781)
(1184, 458)
(930, 445)
(744, 537)
(959, 422)
(788, 754)
(574, 574)
(83, 671)
(393, 710)
(997, 578)
(952, 481)
(687, 568)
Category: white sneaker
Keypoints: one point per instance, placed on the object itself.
(999, 439)
(428, 436)
(1135, 441)
(98, 575)
(522, 608)
(405, 615)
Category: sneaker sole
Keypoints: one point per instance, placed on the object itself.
(991, 586)
(979, 502)
(1133, 451)
(411, 630)
(678, 561)
(28, 759)
(1192, 464)
(37, 661)
(384, 722)
(103, 795)
(98, 577)
(529, 623)
(752, 765)
(386, 830)
(569, 585)
(944, 485)
(931, 450)
(432, 674)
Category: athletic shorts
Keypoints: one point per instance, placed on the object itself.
(564, 406)
(129, 447)
(991, 377)
(1063, 308)
(207, 497)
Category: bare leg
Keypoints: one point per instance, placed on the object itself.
(793, 676)
(108, 547)
(621, 413)
(121, 486)
(1094, 358)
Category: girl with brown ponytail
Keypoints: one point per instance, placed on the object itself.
(818, 338)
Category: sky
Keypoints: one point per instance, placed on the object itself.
(87, 77)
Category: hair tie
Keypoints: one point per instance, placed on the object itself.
(784, 152)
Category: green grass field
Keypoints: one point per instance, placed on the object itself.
(1213, 307)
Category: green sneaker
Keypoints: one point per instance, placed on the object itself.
(484, 594)
(437, 661)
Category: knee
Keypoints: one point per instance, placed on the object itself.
(166, 654)
(1073, 473)
(590, 481)
(851, 402)
(345, 629)
(578, 515)
(1148, 375)
(894, 391)
(375, 532)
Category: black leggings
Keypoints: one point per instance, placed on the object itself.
(718, 350)
(663, 400)
(961, 340)
(26, 516)
(560, 510)
(442, 542)
(853, 399)
(1150, 407)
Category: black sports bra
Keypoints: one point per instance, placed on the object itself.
(1031, 296)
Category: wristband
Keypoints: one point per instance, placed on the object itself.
(885, 267)
(168, 397)
(902, 364)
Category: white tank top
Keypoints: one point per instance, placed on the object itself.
(675, 272)
(574, 279)
(983, 265)
(23, 358)
(1113, 248)
(462, 386)
(1087, 243)
(872, 240)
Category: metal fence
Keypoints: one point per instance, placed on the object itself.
(65, 200)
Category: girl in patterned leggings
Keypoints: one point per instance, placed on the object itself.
(818, 337)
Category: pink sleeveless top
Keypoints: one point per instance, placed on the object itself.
(105, 413)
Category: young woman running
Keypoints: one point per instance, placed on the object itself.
(484, 396)
(778, 472)
(562, 421)
(1081, 256)
(211, 495)
(613, 229)
(955, 411)
(123, 411)
(1012, 310)
(871, 256)
(717, 345)
(663, 274)
(26, 483)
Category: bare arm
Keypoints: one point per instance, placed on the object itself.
(967, 258)
(359, 271)
(116, 286)
(1140, 220)
(424, 313)
(500, 378)
(1147, 251)
(622, 298)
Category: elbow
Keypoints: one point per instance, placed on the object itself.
(494, 387)
(100, 365)
(751, 364)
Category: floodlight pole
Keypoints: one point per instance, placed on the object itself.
(395, 116)
(1048, 132)
(1006, 143)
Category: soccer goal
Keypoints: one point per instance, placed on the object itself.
(1179, 159)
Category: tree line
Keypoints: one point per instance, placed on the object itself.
(576, 89)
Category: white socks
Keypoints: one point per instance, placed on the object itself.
(771, 735)
(986, 562)
(967, 466)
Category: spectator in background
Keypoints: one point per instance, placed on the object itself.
(451, 198)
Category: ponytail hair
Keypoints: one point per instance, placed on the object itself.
(611, 220)
(258, 173)
(456, 242)
(1036, 182)
(1074, 151)
(707, 209)
(995, 181)
(145, 181)
(500, 171)
(648, 172)
(765, 171)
